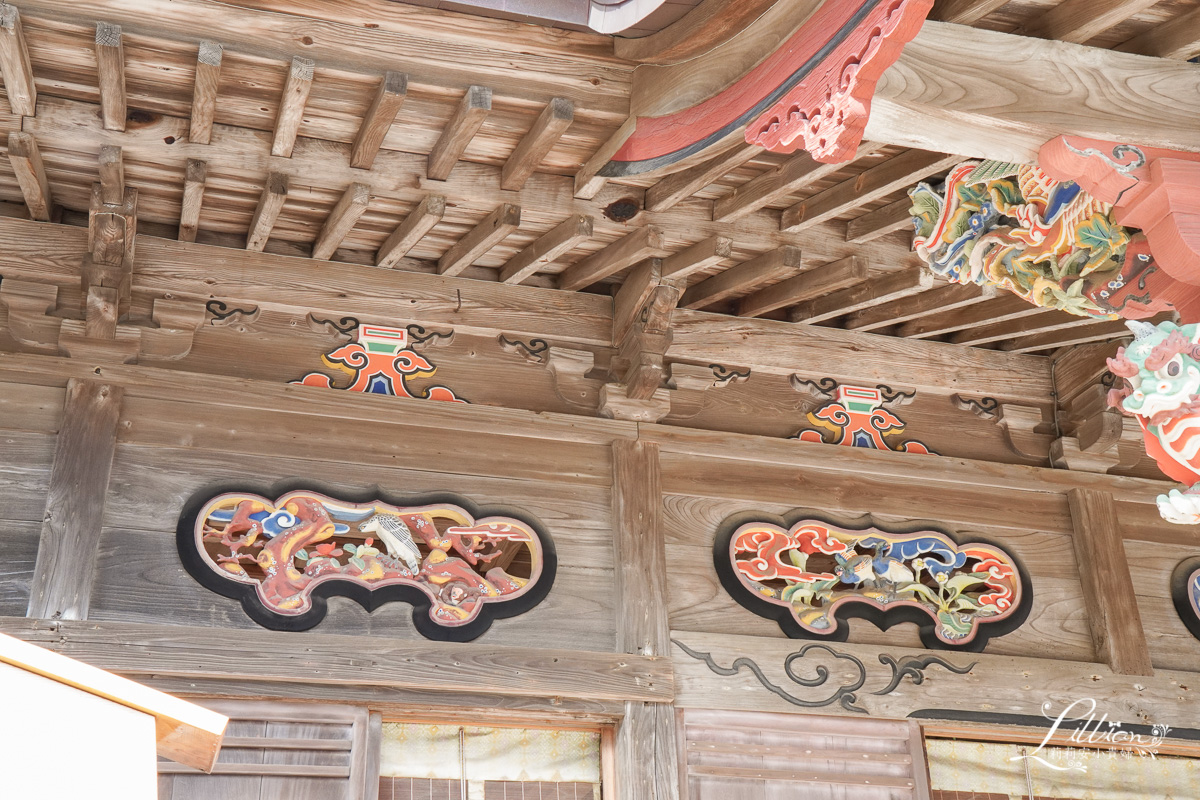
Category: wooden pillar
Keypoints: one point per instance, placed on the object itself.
(1113, 616)
(70, 538)
(646, 754)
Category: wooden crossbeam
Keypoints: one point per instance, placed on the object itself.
(879, 181)
(389, 97)
(1001, 309)
(549, 127)
(879, 290)
(963, 12)
(700, 256)
(935, 301)
(544, 250)
(341, 220)
(112, 174)
(204, 91)
(483, 237)
(1176, 38)
(196, 175)
(14, 63)
(793, 175)
(110, 67)
(880, 222)
(472, 110)
(26, 161)
(635, 246)
(291, 106)
(683, 184)
(269, 205)
(419, 222)
(1042, 321)
(775, 264)
(841, 274)
(1081, 20)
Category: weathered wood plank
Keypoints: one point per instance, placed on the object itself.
(168, 650)
(744, 277)
(490, 231)
(110, 65)
(66, 560)
(291, 106)
(880, 222)
(419, 222)
(544, 250)
(679, 186)
(392, 92)
(26, 161)
(14, 63)
(640, 556)
(341, 220)
(1176, 38)
(1112, 612)
(468, 117)
(549, 127)
(270, 203)
(815, 282)
(881, 289)
(1082, 20)
(700, 256)
(195, 177)
(633, 247)
(204, 91)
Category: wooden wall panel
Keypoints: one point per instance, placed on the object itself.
(1171, 645)
(18, 553)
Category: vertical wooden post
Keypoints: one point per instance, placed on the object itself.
(66, 558)
(1108, 590)
(646, 753)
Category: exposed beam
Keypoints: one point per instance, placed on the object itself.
(341, 220)
(291, 106)
(469, 115)
(1177, 38)
(110, 68)
(26, 161)
(196, 175)
(549, 127)
(839, 275)
(112, 175)
(483, 237)
(879, 290)
(963, 12)
(636, 245)
(204, 91)
(880, 222)
(1043, 321)
(269, 205)
(14, 63)
(1032, 90)
(419, 222)
(799, 171)
(934, 301)
(1081, 332)
(773, 265)
(700, 256)
(683, 184)
(389, 97)
(879, 181)
(1081, 20)
(1112, 609)
(1003, 308)
(547, 248)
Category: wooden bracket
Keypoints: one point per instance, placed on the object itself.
(616, 403)
(29, 305)
(982, 407)
(689, 382)
(112, 231)
(1019, 424)
(642, 311)
(1097, 438)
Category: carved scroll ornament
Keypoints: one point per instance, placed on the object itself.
(810, 575)
(857, 416)
(459, 566)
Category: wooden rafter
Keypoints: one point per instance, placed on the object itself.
(1003, 308)
(1176, 38)
(270, 203)
(196, 176)
(204, 91)
(411, 230)
(1082, 20)
(547, 248)
(745, 277)
(815, 282)
(795, 174)
(110, 66)
(550, 125)
(683, 184)
(389, 97)
(291, 106)
(341, 220)
(26, 160)
(14, 63)
(505, 219)
(943, 298)
(469, 115)
(881, 290)
(621, 254)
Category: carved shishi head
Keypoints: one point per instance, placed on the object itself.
(1161, 368)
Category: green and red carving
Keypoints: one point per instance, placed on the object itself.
(858, 416)
(283, 557)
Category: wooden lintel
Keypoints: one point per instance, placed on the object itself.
(1108, 589)
(61, 587)
(112, 175)
(341, 220)
(419, 222)
(783, 262)
(270, 203)
(291, 106)
(195, 176)
(549, 127)
(882, 289)
(547, 248)
(633, 247)
(468, 117)
(697, 258)
(389, 97)
(110, 66)
(26, 161)
(204, 91)
(14, 63)
(841, 274)
(492, 230)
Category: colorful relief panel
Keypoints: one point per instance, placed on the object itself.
(1014, 227)
(1185, 592)
(1161, 372)
(458, 565)
(380, 361)
(856, 416)
(810, 575)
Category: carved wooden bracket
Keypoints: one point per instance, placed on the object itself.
(1019, 424)
(982, 407)
(1098, 438)
(29, 305)
(689, 382)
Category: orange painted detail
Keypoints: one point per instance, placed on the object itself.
(827, 112)
(1150, 188)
